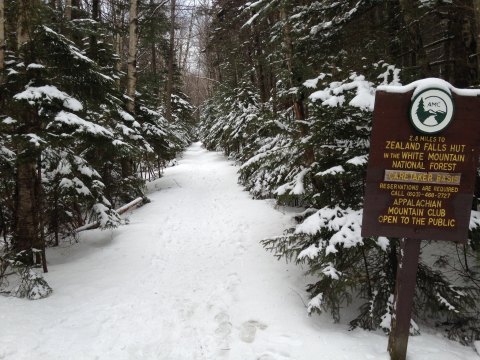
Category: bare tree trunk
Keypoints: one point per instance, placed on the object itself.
(461, 25)
(171, 58)
(132, 56)
(27, 201)
(180, 48)
(126, 163)
(72, 8)
(154, 60)
(274, 93)
(118, 17)
(96, 10)
(154, 64)
(154, 51)
(71, 12)
(259, 68)
(298, 105)
(68, 10)
(40, 257)
(187, 46)
(23, 31)
(26, 212)
(2, 39)
(416, 40)
(119, 51)
(26, 216)
(93, 37)
(76, 7)
(476, 9)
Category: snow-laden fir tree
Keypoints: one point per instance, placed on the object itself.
(66, 131)
(310, 145)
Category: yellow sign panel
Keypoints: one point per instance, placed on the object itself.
(417, 177)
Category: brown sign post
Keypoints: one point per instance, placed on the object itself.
(420, 178)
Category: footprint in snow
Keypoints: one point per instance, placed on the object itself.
(248, 330)
(224, 327)
(232, 282)
(279, 348)
(273, 356)
(241, 248)
(223, 332)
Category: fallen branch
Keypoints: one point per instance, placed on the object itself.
(123, 209)
(132, 205)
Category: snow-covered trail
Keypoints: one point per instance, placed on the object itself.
(187, 280)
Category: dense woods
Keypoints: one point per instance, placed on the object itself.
(89, 111)
(294, 85)
(99, 96)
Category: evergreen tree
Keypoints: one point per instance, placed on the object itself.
(65, 130)
(310, 148)
(422, 114)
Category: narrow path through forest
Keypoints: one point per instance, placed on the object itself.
(187, 279)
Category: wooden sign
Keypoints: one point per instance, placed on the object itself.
(420, 179)
(422, 165)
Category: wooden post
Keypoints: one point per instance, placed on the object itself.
(404, 293)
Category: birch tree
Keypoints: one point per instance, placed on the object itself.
(132, 55)
(171, 61)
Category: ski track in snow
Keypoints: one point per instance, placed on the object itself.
(187, 280)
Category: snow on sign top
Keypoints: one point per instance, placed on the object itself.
(424, 84)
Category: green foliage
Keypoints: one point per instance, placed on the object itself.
(231, 120)
(310, 148)
(328, 240)
(61, 125)
(20, 280)
(344, 267)
(63, 110)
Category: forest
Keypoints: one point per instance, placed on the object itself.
(98, 97)
(92, 106)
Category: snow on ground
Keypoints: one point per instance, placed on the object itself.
(187, 280)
